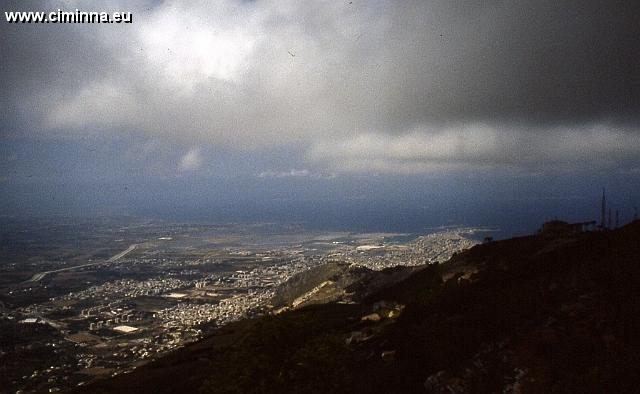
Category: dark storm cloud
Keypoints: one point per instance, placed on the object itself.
(531, 61)
(409, 86)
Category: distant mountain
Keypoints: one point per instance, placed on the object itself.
(539, 314)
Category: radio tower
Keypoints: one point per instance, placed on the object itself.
(603, 210)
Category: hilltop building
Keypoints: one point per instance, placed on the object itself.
(559, 227)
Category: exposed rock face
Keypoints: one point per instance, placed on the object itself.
(374, 317)
(337, 282)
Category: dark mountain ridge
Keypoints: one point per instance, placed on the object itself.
(544, 313)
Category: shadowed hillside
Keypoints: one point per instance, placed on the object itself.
(535, 314)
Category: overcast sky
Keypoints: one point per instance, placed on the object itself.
(325, 92)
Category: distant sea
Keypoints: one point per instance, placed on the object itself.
(507, 219)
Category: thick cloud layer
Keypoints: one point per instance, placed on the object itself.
(359, 86)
